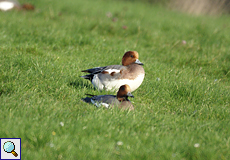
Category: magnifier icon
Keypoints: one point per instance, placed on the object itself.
(9, 147)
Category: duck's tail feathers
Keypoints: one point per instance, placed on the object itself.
(85, 71)
(86, 99)
(88, 76)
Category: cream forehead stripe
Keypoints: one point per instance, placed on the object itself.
(6, 5)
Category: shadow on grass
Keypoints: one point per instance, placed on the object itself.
(6, 91)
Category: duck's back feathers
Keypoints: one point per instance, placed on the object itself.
(94, 70)
(102, 100)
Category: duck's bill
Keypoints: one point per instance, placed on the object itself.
(130, 94)
(138, 62)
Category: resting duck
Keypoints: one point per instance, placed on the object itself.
(112, 77)
(120, 100)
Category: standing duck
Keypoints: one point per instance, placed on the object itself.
(112, 77)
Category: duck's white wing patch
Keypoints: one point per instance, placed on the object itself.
(98, 104)
(105, 105)
(6, 5)
(112, 71)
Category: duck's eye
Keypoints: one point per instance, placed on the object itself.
(131, 56)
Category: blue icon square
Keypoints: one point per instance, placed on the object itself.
(10, 148)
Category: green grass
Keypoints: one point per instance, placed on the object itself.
(184, 99)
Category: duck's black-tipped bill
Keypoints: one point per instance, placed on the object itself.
(139, 62)
(130, 94)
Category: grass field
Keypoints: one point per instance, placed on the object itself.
(182, 109)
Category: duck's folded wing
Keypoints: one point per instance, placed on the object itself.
(106, 69)
(111, 72)
(105, 100)
(114, 68)
(94, 70)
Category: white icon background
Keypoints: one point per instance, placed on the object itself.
(5, 155)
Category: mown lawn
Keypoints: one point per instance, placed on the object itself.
(182, 109)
